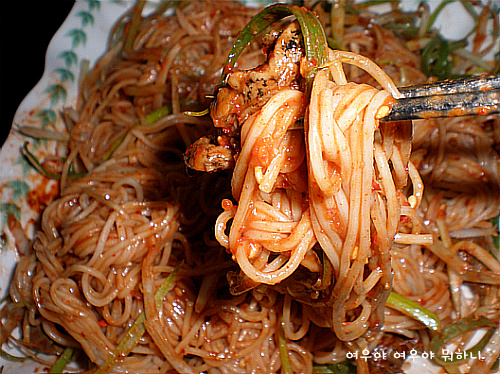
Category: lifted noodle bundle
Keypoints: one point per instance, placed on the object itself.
(318, 207)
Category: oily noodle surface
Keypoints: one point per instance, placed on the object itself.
(302, 195)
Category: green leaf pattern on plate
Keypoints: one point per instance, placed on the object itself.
(70, 58)
(78, 36)
(65, 75)
(19, 188)
(46, 116)
(6, 209)
(87, 18)
(58, 92)
(94, 4)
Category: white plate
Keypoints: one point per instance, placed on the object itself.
(83, 36)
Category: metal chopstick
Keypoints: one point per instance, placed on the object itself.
(478, 95)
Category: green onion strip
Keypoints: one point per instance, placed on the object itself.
(137, 330)
(67, 356)
(150, 119)
(39, 167)
(413, 309)
(285, 359)
(315, 41)
(436, 12)
(134, 25)
(343, 367)
(459, 328)
(10, 357)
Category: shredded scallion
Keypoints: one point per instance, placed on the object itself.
(133, 28)
(285, 359)
(315, 41)
(137, 330)
(150, 119)
(456, 329)
(66, 357)
(344, 367)
(413, 309)
(33, 160)
(10, 357)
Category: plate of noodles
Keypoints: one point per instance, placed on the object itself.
(207, 187)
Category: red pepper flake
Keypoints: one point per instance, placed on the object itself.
(228, 68)
(404, 219)
(483, 111)
(102, 323)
